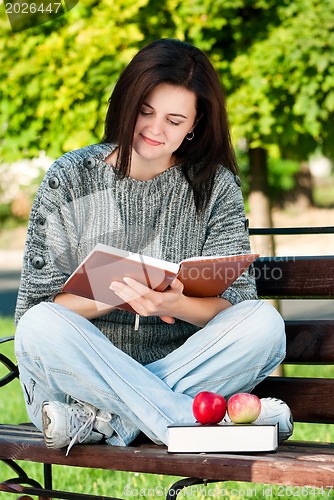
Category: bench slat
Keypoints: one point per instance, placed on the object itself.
(310, 341)
(302, 277)
(261, 468)
(308, 406)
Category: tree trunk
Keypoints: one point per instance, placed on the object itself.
(259, 201)
(260, 210)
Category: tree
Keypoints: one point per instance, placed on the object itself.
(55, 79)
(274, 58)
(284, 84)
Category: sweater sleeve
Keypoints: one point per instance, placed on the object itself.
(227, 233)
(50, 249)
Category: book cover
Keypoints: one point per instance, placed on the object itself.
(206, 276)
(222, 438)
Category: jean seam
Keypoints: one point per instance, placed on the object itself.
(62, 372)
(219, 380)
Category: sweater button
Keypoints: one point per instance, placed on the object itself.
(42, 223)
(89, 163)
(38, 262)
(54, 182)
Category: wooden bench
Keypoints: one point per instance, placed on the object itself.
(295, 464)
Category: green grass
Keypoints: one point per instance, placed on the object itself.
(146, 486)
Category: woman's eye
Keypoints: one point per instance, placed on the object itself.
(174, 123)
(145, 113)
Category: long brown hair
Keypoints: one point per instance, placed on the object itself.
(177, 63)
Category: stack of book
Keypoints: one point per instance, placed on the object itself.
(222, 438)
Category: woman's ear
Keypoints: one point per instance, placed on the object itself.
(190, 134)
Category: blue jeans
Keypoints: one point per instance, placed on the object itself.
(61, 355)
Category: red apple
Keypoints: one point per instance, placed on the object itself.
(209, 407)
(243, 408)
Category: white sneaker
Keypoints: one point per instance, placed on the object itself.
(66, 424)
(274, 410)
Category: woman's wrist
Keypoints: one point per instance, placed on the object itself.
(200, 310)
(87, 308)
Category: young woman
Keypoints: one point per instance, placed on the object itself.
(163, 182)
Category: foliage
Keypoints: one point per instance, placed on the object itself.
(274, 59)
(281, 174)
(56, 78)
(284, 83)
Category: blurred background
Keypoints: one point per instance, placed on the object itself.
(275, 60)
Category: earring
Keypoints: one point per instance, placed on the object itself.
(190, 136)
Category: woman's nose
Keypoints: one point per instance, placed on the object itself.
(156, 126)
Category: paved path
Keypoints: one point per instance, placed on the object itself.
(10, 265)
(9, 282)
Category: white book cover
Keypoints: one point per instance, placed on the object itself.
(222, 438)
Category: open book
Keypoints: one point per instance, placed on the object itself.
(222, 438)
(206, 276)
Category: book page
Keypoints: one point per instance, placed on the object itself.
(137, 257)
(221, 257)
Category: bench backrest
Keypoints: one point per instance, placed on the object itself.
(308, 341)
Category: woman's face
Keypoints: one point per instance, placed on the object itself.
(166, 117)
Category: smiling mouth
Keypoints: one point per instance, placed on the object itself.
(150, 142)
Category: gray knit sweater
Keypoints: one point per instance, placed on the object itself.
(82, 201)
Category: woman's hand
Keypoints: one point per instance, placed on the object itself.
(170, 304)
(147, 302)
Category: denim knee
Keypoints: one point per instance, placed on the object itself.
(35, 321)
(272, 325)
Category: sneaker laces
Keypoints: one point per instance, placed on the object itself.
(81, 421)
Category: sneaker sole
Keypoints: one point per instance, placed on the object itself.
(46, 421)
